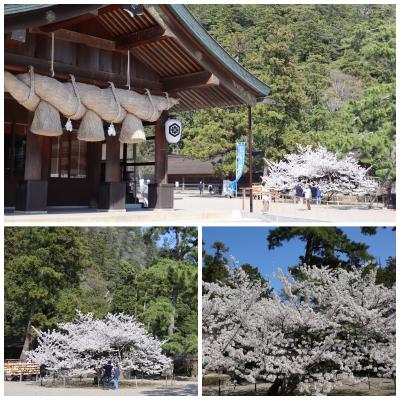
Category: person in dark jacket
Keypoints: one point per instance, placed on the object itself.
(299, 193)
(107, 375)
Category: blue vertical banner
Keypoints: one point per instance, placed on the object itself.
(240, 158)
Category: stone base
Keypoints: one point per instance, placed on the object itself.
(112, 196)
(161, 195)
(31, 197)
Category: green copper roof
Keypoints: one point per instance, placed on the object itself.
(197, 30)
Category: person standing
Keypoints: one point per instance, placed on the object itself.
(308, 196)
(107, 375)
(201, 187)
(313, 190)
(266, 199)
(116, 376)
(298, 193)
(318, 196)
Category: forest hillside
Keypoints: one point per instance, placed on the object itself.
(331, 69)
(149, 273)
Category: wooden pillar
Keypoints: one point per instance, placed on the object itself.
(32, 193)
(33, 159)
(45, 157)
(161, 151)
(113, 191)
(113, 166)
(94, 171)
(161, 194)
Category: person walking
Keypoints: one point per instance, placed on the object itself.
(107, 375)
(308, 196)
(201, 187)
(116, 376)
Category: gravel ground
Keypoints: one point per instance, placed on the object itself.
(186, 388)
(379, 387)
(194, 209)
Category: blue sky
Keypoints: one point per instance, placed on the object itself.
(249, 245)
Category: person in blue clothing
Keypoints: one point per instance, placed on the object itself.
(107, 375)
(318, 195)
(116, 376)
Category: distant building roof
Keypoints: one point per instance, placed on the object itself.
(181, 165)
(22, 8)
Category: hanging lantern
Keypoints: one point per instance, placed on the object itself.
(173, 130)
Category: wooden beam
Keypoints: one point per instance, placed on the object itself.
(81, 38)
(18, 63)
(109, 8)
(189, 81)
(68, 22)
(140, 38)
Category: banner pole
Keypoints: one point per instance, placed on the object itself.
(236, 184)
(250, 139)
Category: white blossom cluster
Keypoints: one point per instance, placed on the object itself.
(322, 167)
(87, 344)
(331, 326)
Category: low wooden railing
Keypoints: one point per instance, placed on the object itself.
(20, 368)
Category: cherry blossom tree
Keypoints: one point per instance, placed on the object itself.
(329, 327)
(333, 175)
(87, 344)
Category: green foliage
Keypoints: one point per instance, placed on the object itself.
(299, 50)
(51, 272)
(164, 298)
(178, 242)
(42, 265)
(215, 266)
(323, 246)
(387, 275)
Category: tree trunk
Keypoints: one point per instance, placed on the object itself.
(174, 300)
(171, 326)
(309, 249)
(275, 388)
(27, 343)
(388, 194)
(283, 387)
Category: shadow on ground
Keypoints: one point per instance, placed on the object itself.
(188, 390)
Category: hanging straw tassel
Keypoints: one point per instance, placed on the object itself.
(91, 128)
(132, 131)
(46, 121)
